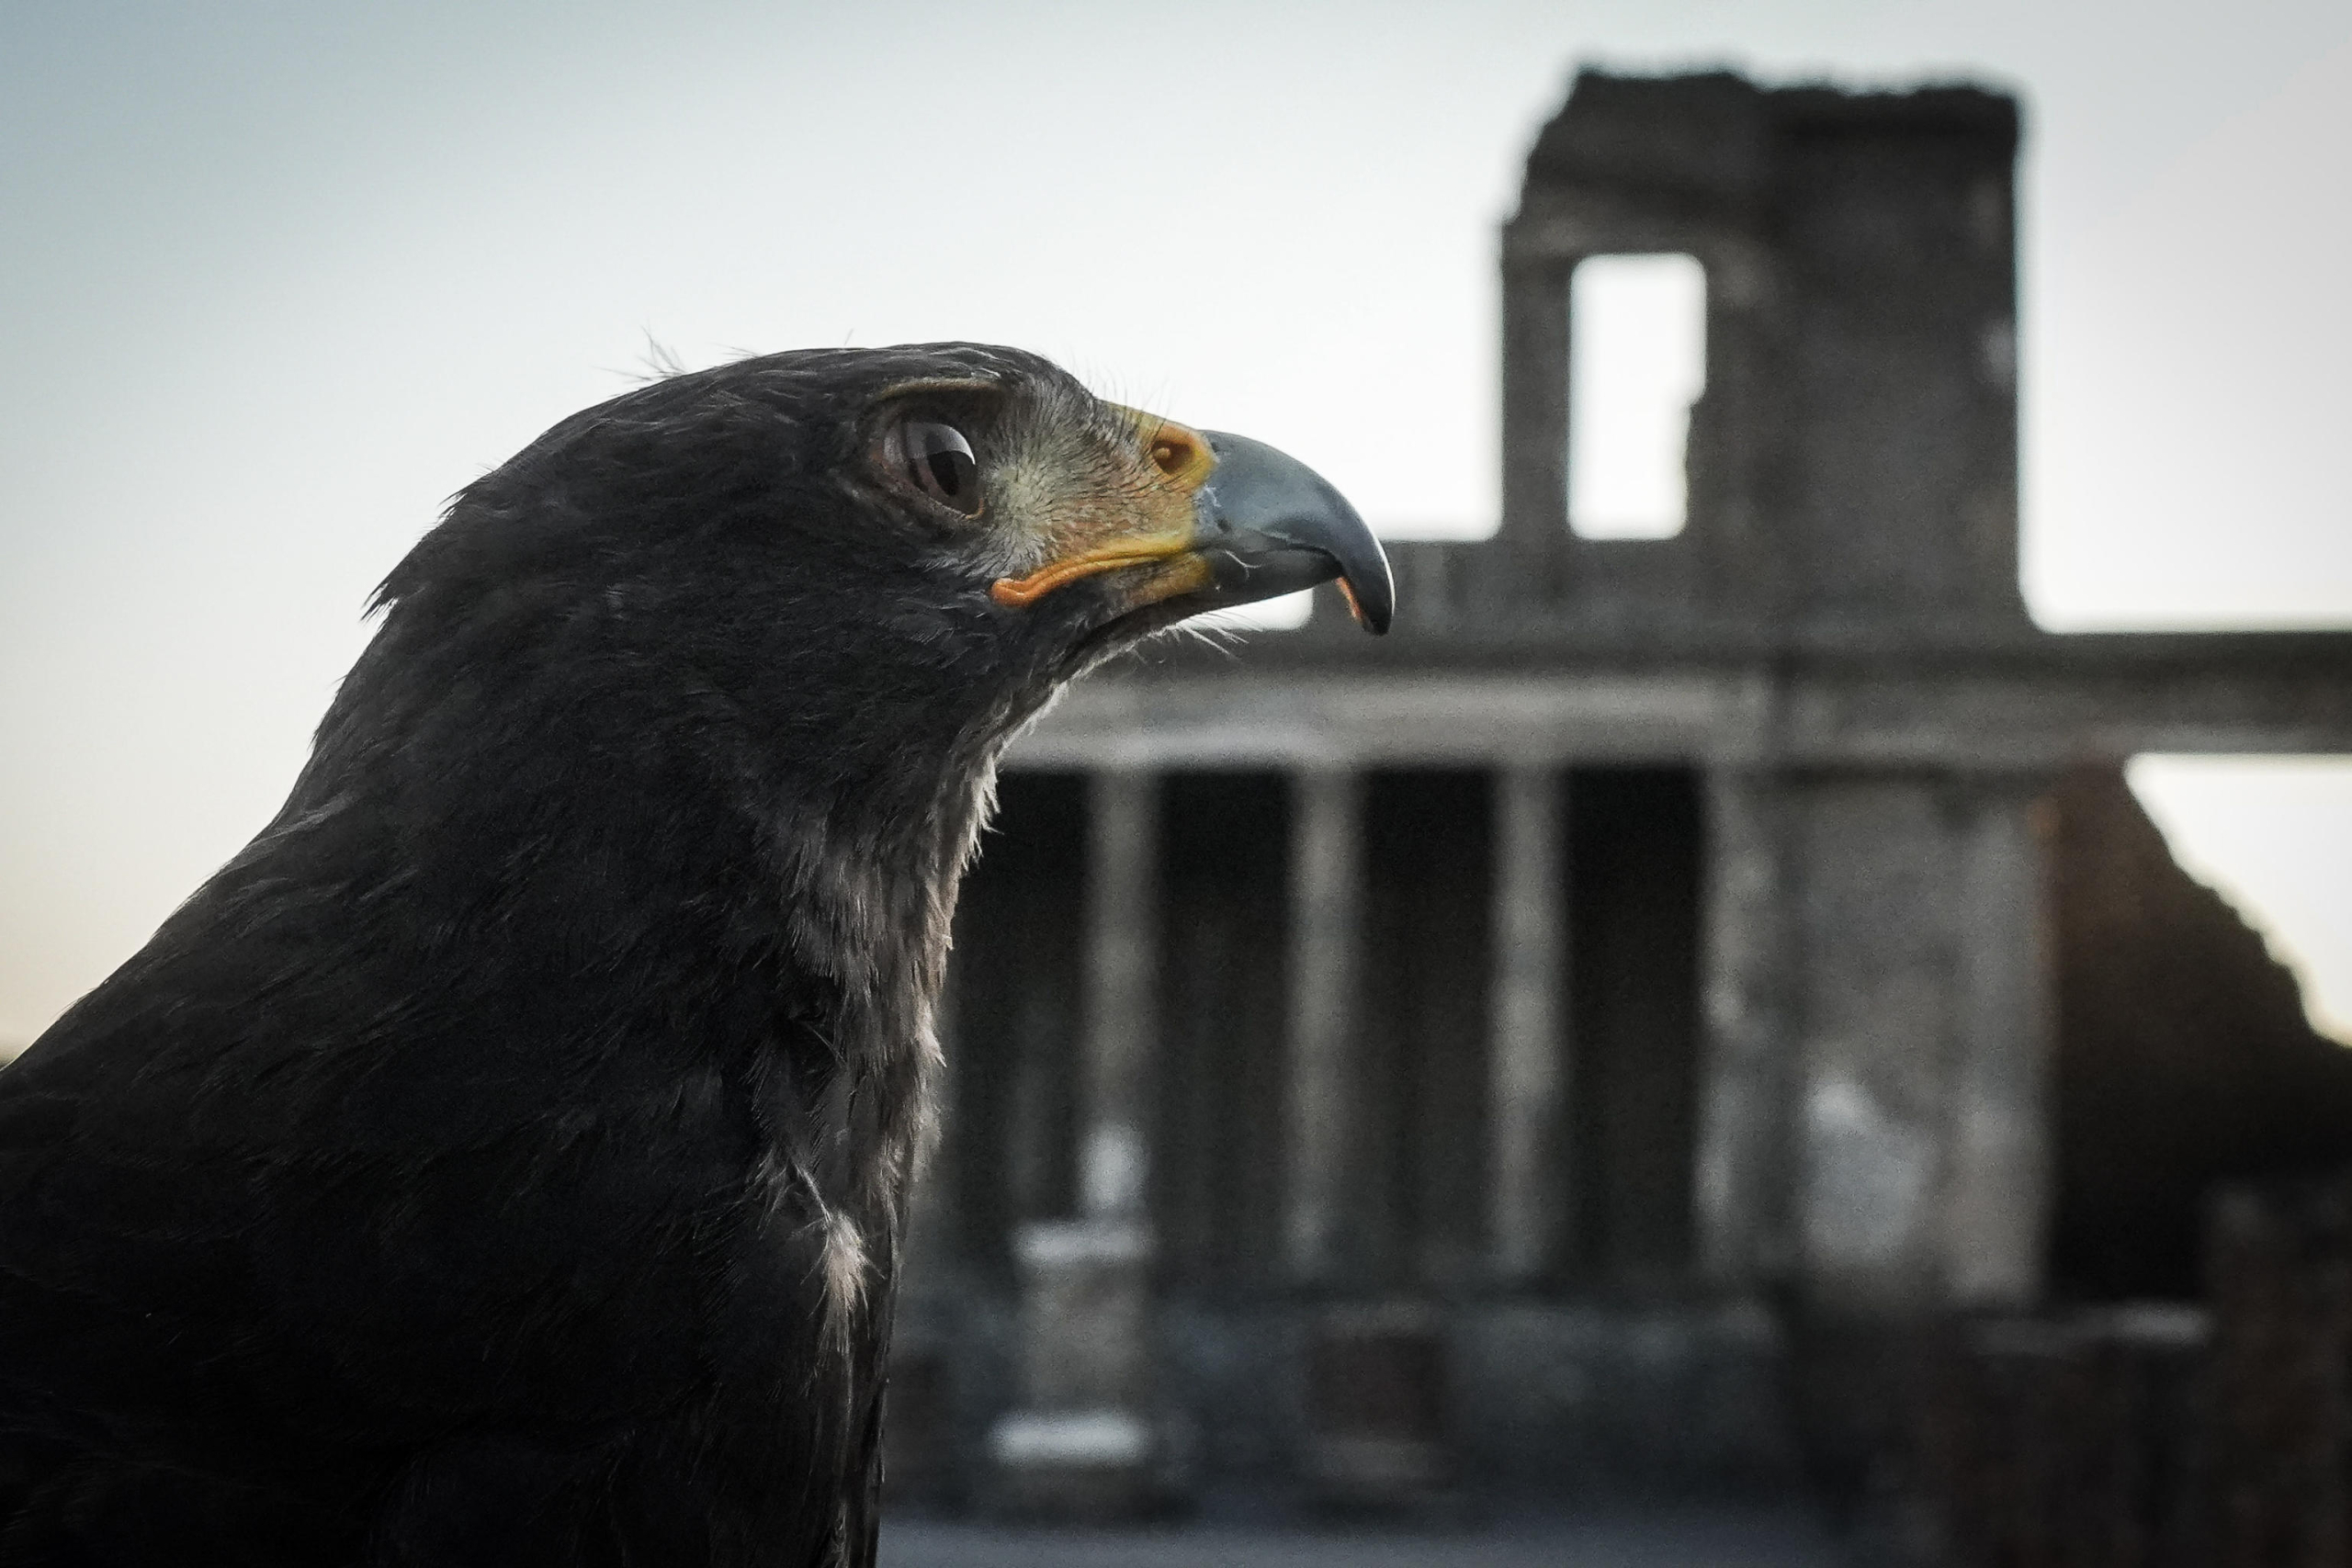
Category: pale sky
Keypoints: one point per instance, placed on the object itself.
(281, 276)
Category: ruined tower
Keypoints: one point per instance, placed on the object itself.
(1375, 1068)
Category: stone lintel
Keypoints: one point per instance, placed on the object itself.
(2013, 711)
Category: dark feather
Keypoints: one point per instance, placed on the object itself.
(503, 1159)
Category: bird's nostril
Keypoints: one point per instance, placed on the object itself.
(1179, 454)
(1174, 452)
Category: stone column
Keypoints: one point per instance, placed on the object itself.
(1997, 1165)
(1121, 1015)
(1327, 917)
(1373, 1376)
(1528, 1193)
(1880, 933)
(1083, 1443)
(1741, 1178)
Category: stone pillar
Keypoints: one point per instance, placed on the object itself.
(1121, 1014)
(1528, 1195)
(1877, 927)
(1997, 1167)
(1327, 917)
(1741, 1178)
(1926, 1017)
(1372, 1373)
(1083, 1443)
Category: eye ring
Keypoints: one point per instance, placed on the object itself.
(939, 462)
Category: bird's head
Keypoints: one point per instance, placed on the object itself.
(1089, 524)
(911, 538)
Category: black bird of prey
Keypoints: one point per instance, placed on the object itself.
(503, 1160)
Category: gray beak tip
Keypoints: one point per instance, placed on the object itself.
(1374, 609)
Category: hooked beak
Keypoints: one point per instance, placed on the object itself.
(1268, 524)
(1259, 524)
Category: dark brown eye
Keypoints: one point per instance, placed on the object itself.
(940, 463)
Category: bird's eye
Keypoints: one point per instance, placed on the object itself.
(940, 462)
